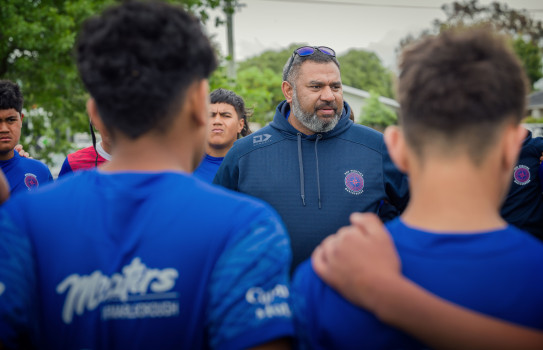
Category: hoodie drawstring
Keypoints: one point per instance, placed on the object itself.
(301, 165)
(319, 136)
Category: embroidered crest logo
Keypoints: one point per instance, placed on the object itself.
(31, 181)
(354, 182)
(521, 175)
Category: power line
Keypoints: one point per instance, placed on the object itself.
(363, 4)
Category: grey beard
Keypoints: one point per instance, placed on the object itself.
(311, 120)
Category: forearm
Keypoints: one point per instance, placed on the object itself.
(442, 325)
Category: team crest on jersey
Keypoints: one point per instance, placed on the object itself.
(521, 175)
(31, 181)
(354, 182)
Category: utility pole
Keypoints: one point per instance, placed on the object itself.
(230, 7)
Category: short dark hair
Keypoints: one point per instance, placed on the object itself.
(10, 96)
(298, 60)
(137, 59)
(459, 89)
(234, 100)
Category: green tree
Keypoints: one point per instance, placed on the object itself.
(363, 70)
(259, 81)
(270, 59)
(531, 58)
(36, 50)
(36, 40)
(376, 115)
(261, 90)
(526, 32)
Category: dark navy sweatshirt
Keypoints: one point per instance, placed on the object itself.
(314, 181)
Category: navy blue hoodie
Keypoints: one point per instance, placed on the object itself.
(314, 181)
(523, 206)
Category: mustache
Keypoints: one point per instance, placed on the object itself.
(323, 105)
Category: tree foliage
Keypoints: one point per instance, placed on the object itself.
(363, 70)
(518, 24)
(376, 115)
(531, 58)
(36, 50)
(270, 59)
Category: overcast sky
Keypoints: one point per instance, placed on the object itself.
(376, 25)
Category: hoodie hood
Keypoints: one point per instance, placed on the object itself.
(281, 123)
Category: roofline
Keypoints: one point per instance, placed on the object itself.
(365, 94)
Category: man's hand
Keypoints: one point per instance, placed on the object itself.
(358, 260)
(19, 149)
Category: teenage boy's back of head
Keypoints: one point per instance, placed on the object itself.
(458, 90)
(462, 97)
(134, 261)
(137, 62)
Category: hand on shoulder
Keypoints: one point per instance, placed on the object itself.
(19, 149)
(358, 260)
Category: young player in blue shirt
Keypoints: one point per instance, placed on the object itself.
(136, 262)
(23, 174)
(227, 122)
(462, 96)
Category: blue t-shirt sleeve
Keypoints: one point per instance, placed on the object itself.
(18, 318)
(303, 306)
(249, 289)
(66, 168)
(50, 177)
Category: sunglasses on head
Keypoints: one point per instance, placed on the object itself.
(308, 51)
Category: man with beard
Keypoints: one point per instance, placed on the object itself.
(313, 164)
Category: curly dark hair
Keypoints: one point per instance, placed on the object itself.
(10, 96)
(234, 100)
(137, 60)
(458, 89)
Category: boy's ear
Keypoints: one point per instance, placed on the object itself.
(512, 142)
(287, 91)
(395, 142)
(94, 115)
(241, 124)
(199, 102)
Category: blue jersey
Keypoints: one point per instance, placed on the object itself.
(496, 273)
(208, 168)
(142, 261)
(25, 174)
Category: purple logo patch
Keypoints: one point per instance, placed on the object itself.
(31, 181)
(354, 182)
(521, 175)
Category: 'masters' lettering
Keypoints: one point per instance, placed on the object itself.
(88, 292)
